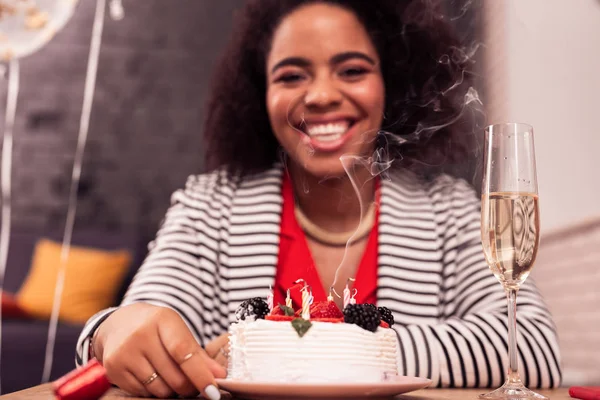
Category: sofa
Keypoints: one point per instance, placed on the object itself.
(23, 340)
(567, 272)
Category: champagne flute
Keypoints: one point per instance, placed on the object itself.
(510, 228)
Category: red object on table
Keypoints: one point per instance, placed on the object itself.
(86, 383)
(585, 392)
(11, 308)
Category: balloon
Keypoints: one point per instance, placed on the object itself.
(27, 25)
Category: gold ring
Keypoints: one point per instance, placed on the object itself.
(150, 379)
(187, 357)
(223, 352)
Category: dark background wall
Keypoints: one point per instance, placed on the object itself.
(145, 129)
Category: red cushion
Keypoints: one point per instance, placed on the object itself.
(10, 307)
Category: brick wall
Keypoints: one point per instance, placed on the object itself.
(145, 134)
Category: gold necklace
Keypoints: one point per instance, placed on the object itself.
(337, 239)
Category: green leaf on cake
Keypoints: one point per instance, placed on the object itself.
(301, 326)
(287, 311)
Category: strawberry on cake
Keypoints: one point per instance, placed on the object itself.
(356, 345)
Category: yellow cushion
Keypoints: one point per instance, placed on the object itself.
(92, 279)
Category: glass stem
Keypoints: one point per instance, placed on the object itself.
(513, 358)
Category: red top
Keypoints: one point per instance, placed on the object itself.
(296, 262)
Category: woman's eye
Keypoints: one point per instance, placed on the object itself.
(289, 78)
(353, 72)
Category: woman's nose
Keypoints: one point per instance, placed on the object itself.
(322, 93)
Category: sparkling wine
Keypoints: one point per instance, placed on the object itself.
(510, 229)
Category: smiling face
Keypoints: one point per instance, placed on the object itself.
(325, 92)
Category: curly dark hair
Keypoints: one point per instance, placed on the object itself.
(425, 69)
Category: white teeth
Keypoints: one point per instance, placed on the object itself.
(327, 138)
(336, 130)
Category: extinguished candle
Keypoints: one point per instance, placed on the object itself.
(288, 300)
(330, 297)
(270, 299)
(346, 293)
(346, 296)
(306, 299)
(353, 299)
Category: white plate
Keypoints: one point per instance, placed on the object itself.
(264, 390)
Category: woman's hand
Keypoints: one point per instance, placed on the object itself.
(218, 349)
(149, 351)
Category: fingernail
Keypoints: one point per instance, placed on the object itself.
(212, 392)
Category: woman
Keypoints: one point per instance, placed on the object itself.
(294, 134)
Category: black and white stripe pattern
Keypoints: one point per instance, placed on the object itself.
(218, 246)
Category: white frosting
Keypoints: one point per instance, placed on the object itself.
(272, 351)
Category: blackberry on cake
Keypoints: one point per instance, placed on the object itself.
(364, 315)
(255, 308)
(386, 315)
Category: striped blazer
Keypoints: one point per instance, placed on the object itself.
(218, 246)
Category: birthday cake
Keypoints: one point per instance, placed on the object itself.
(317, 345)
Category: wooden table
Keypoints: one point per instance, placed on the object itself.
(44, 392)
